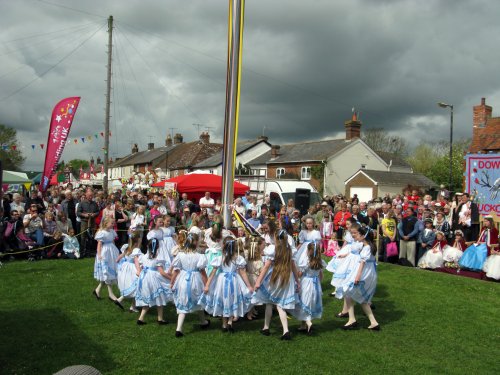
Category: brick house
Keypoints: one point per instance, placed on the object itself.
(485, 130)
(327, 164)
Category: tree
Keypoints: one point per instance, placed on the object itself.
(74, 165)
(11, 158)
(432, 159)
(379, 140)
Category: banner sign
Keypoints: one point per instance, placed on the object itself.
(60, 125)
(482, 181)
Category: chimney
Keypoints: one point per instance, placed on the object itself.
(135, 148)
(168, 141)
(352, 127)
(178, 138)
(110, 161)
(480, 115)
(91, 160)
(151, 146)
(99, 161)
(205, 138)
(275, 151)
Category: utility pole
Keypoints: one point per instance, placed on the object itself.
(108, 105)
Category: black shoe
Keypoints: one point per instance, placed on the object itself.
(162, 322)
(179, 334)
(96, 295)
(141, 322)
(230, 328)
(376, 328)
(118, 303)
(111, 299)
(286, 337)
(224, 329)
(206, 325)
(265, 332)
(350, 327)
(310, 330)
(342, 315)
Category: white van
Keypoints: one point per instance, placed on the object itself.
(280, 191)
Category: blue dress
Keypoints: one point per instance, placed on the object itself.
(365, 289)
(309, 305)
(105, 269)
(228, 295)
(268, 293)
(168, 242)
(127, 274)
(475, 255)
(188, 286)
(152, 288)
(305, 238)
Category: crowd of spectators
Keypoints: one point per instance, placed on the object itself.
(403, 226)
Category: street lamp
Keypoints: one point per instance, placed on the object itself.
(450, 106)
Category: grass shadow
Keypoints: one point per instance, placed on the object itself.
(45, 341)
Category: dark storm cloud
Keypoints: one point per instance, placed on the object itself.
(306, 64)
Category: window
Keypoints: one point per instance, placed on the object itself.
(280, 172)
(305, 173)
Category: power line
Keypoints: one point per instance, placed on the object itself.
(50, 68)
(72, 9)
(38, 35)
(69, 41)
(159, 78)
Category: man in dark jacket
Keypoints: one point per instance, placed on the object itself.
(408, 230)
(87, 212)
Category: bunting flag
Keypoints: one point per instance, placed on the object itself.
(60, 126)
(87, 138)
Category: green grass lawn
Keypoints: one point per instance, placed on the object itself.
(431, 323)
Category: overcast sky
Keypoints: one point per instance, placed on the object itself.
(305, 65)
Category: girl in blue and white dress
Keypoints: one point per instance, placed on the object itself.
(360, 280)
(339, 257)
(105, 260)
(153, 287)
(157, 232)
(276, 283)
(214, 237)
(168, 242)
(188, 280)
(310, 270)
(306, 236)
(230, 294)
(129, 269)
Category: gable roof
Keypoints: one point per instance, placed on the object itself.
(143, 157)
(216, 160)
(395, 178)
(187, 155)
(303, 152)
(397, 161)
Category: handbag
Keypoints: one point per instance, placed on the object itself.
(391, 249)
